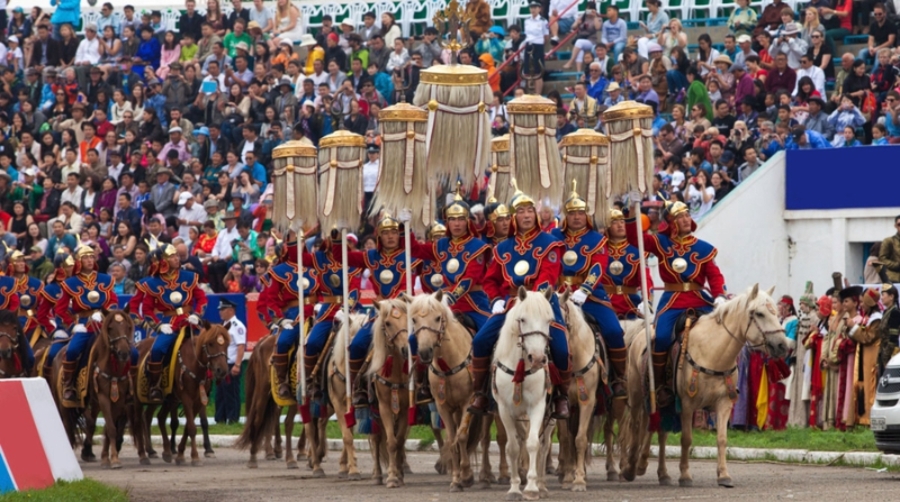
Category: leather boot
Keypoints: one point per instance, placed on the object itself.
(617, 359)
(664, 395)
(561, 399)
(480, 367)
(423, 393)
(280, 363)
(68, 374)
(313, 389)
(360, 393)
(153, 379)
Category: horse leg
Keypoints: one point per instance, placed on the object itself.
(276, 451)
(440, 466)
(533, 446)
(455, 446)
(661, 472)
(395, 465)
(204, 426)
(566, 442)
(465, 456)
(289, 459)
(109, 432)
(612, 415)
(646, 438)
(512, 450)
(322, 450)
(581, 445)
(137, 426)
(161, 418)
(485, 477)
(687, 433)
(723, 411)
(90, 426)
(375, 447)
(190, 430)
(350, 450)
(546, 443)
(148, 425)
(502, 442)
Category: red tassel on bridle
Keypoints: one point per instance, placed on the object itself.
(519, 375)
(446, 367)
(17, 362)
(388, 367)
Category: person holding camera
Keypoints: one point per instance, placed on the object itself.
(700, 195)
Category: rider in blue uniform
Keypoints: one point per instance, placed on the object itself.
(622, 279)
(529, 258)
(51, 293)
(29, 290)
(583, 264)
(430, 272)
(85, 297)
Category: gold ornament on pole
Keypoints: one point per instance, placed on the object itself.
(403, 179)
(456, 96)
(341, 156)
(533, 151)
(500, 185)
(585, 159)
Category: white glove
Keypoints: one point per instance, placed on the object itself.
(53, 323)
(287, 324)
(60, 335)
(317, 308)
(720, 300)
(578, 297)
(165, 329)
(339, 316)
(499, 307)
(194, 319)
(97, 317)
(405, 215)
(79, 328)
(367, 273)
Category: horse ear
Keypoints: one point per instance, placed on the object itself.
(771, 291)
(439, 295)
(205, 324)
(522, 293)
(754, 291)
(548, 294)
(377, 305)
(127, 308)
(564, 298)
(405, 297)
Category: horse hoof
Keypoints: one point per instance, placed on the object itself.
(531, 495)
(354, 476)
(612, 476)
(726, 482)
(579, 487)
(210, 454)
(271, 456)
(116, 465)
(167, 458)
(685, 483)
(485, 485)
(179, 461)
(455, 488)
(514, 496)
(145, 461)
(641, 471)
(196, 462)
(567, 486)
(440, 468)
(88, 458)
(278, 455)
(468, 482)
(377, 481)
(665, 481)
(503, 480)
(342, 475)
(104, 464)
(628, 475)
(407, 470)
(394, 483)
(292, 465)
(152, 454)
(252, 465)
(318, 473)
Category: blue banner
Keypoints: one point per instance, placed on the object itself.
(842, 178)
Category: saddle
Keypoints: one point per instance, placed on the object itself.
(81, 380)
(167, 378)
(292, 380)
(682, 328)
(467, 322)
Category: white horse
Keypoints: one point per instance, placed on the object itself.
(525, 337)
(705, 378)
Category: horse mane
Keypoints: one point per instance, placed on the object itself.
(206, 335)
(533, 304)
(379, 346)
(739, 305)
(356, 322)
(103, 341)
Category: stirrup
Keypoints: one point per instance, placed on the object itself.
(479, 404)
(560, 407)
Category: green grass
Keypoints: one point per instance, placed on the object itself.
(86, 490)
(857, 439)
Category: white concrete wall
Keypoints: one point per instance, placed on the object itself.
(759, 241)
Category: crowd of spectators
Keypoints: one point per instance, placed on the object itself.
(134, 134)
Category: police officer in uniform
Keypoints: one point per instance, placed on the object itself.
(228, 393)
(533, 259)
(583, 265)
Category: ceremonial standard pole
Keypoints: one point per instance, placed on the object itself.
(350, 417)
(302, 403)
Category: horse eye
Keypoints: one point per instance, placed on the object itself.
(760, 314)
(437, 319)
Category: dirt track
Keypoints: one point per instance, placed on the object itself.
(226, 479)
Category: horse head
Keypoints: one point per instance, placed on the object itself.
(763, 328)
(389, 332)
(430, 318)
(528, 323)
(212, 349)
(118, 332)
(10, 332)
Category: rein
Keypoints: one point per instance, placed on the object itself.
(751, 322)
(439, 369)
(203, 367)
(13, 339)
(512, 372)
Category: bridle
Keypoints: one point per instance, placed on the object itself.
(389, 340)
(13, 339)
(439, 333)
(204, 367)
(752, 322)
(15, 346)
(525, 334)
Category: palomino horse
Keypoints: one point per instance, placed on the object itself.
(588, 361)
(444, 345)
(390, 347)
(262, 412)
(524, 337)
(12, 346)
(705, 378)
(197, 355)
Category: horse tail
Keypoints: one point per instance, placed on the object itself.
(475, 432)
(262, 413)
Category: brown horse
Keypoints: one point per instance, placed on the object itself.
(12, 346)
(197, 355)
(262, 411)
(389, 348)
